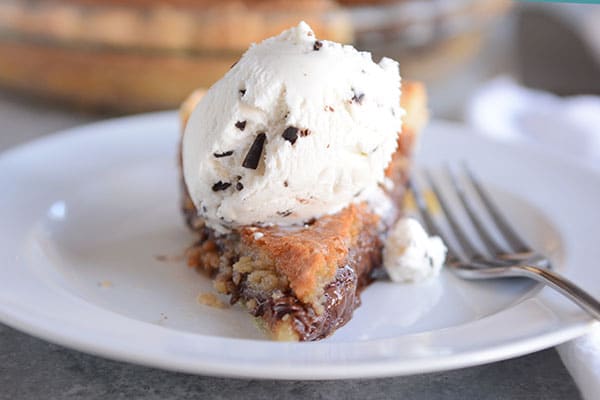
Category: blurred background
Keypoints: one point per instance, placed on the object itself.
(64, 62)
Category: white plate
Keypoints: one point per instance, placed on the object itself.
(85, 213)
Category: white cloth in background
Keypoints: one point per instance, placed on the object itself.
(569, 128)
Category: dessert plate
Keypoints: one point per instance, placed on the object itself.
(91, 257)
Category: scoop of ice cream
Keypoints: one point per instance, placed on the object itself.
(298, 128)
(410, 255)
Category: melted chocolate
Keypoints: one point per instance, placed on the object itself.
(341, 296)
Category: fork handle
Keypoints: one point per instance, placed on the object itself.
(562, 285)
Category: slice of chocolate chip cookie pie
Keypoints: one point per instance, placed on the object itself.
(294, 166)
(304, 283)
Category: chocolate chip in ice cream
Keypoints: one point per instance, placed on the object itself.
(220, 186)
(224, 154)
(317, 46)
(241, 125)
(290, 134)
(253, 156)
(357, 97)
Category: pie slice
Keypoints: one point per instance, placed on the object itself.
(304, 283)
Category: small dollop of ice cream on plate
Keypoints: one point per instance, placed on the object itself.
(297, 129)
(410, 255)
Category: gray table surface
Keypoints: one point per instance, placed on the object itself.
(33, 369)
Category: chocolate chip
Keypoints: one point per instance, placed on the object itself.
(317, 46)
(242, 92)
(285, 183)
(224, 154)
(241, 125)
(253, 156)
(238, 177)
(357, 97)
(220, 186)
(290, 134)
(285, 213)
(239, 186)
(204, 209)
(305, 132)
(329, 108)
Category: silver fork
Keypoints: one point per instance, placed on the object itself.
(496, 261)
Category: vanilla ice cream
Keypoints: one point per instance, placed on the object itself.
(298, 128)
(410, 255)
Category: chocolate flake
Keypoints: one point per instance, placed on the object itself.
(285, 183)
(253, 156)
(317, 46)
(234, 64)
(204, 209)
(239, 186)
(220, 186)
(329, 108)
(285, 213)
(242, 92)
(357, 97)
(241, 125)
(290, 134)
(305, 132)
(224, 154)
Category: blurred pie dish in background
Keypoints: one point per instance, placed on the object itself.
(140, 55)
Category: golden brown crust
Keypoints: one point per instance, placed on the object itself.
(308, 257)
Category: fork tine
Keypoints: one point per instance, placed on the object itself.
(512, 238)
(430, 224)
(486, 238)
(467, 246)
